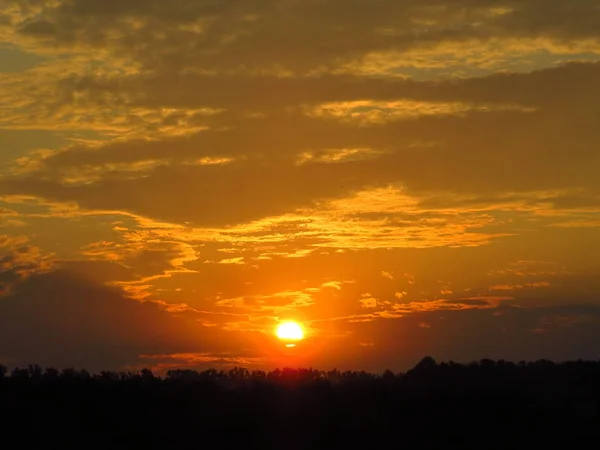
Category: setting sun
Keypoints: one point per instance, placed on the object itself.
(290, 331)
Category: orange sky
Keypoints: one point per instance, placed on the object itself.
(405, 180)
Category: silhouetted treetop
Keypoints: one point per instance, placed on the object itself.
(434, 405)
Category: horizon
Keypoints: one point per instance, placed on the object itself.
(178, 179)
(425, 365)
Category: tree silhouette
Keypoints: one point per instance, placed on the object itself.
(426, 363)
(446, 405)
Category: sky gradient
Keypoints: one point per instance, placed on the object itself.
(405, 178)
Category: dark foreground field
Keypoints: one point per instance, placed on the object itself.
(484, 405)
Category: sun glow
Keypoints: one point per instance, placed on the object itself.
(290, 331)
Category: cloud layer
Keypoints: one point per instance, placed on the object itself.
(199, 170)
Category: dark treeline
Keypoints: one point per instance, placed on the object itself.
(487, 404)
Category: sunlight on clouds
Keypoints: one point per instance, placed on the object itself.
(72, 103)
(475, 56)
(238, 260)
(578, 223)
(337, 155)
(146, 264)
(525, 268)
(513, 287)
(163, 362)
(369, 112)
(278, 303)
(388, 218)
(208, 161)
(379, 218)
(20, 260)
(368, 302)
(392, 310)
(336, 284)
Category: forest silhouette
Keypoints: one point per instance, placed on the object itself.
(482, 405)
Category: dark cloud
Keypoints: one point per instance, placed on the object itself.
(477, 158)
(100, 271)
(473, 154)
(468, 302)
(214, 196)
(291, 34)
(265, 93)
(558, 333)
(18, 259)
(63, 319)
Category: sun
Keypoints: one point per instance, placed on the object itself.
(290, 331)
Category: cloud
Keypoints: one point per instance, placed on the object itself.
(368, 302)
(148, 105)
(19, 260)
(287, 35)
(63, 319)
(570, 332)
(197, 361)
(270, 93)
(267, 149)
